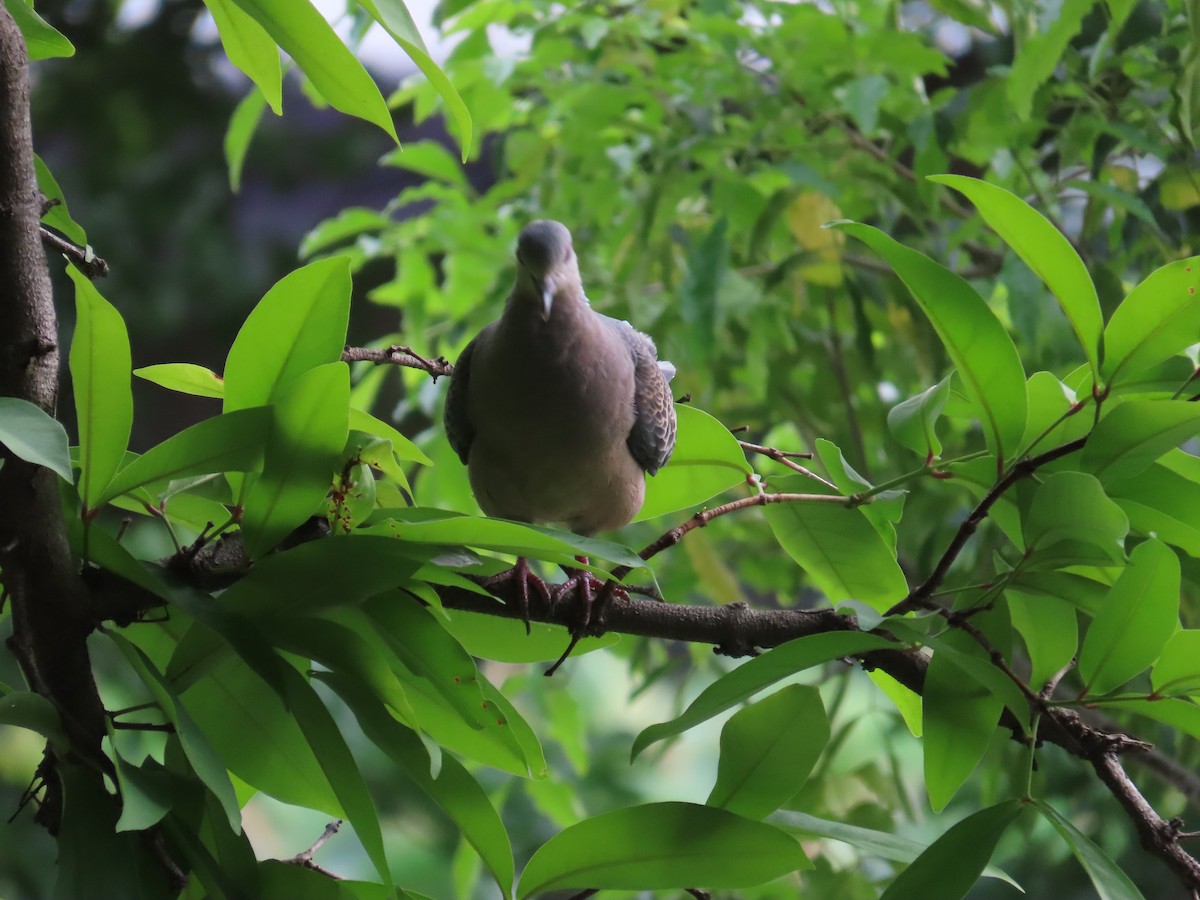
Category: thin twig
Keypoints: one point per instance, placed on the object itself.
(918, 598)
(305, 859)
(84, 259)
(398, 356)
(784, 457)
(702, 518)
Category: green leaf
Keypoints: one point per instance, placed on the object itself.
(1040, 53)
(338, 763)
(914, 422)
(251, 49)
(232, 703)
(907, 703)
(32, 435)
(1071, 518)
(431, 159)
(100, 365)
(402, 447)
(555, 545)
(243, 123)
(838, 547)
(662, 846)
(966, 657)
(234, 629)
(185, 378)
(760, 672)
(146, 790)
(954, 862)
(320, 575)
(1137, 433)
(1161, 502)
(57, 216)
(298, 325)
(91, 852)
(426, 649)
(25, 709)
(454, 789)
(393, 15)
(346, 224)
(707, 460)
(340, 648)
(1107, 878)
(1050, 629)
(983, 353)
(308, 431)
(768, 750)
(1159, 318)
(1182, 715)
(1137, 617)
(884, 510)
(303, 33)
(284, 881)
(707, 260)
(1044, 249)
(868, 840)
(232, 442)
(206, 762)
(1049, 421)
(960, 717)
(41, 40)
(1178, 668)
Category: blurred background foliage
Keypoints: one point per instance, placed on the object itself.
(695, 149)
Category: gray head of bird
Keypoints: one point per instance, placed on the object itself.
(546, 262)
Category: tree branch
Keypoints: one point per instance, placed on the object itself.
(919, 597)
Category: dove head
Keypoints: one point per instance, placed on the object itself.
(546, 263)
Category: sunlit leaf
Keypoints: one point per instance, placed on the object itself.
(299, 324)
(1178, 668)
(707, 460)
(232, 442)
(100, 366)
(243, 123)
(309, 423)
(983, 353)
(1159, 318)
(303, 33)
(42, 41)
(251, 49)
(1136, 433)
(914, 422)
(1044, 249)
(186, 378)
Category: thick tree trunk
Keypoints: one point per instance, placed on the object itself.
(40, 577)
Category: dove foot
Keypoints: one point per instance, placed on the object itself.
(527, 584)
